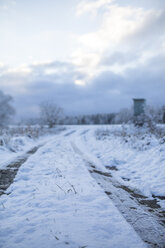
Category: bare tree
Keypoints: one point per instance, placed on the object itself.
(51, 114)
(6, 109)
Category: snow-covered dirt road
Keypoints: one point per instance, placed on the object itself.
(8, 173)
(55, 201)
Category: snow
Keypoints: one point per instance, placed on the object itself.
(140, 163)
(16, 146)
(54, 202)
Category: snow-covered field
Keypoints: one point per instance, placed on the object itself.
(138, 159)
(15, 141)
(54, 201)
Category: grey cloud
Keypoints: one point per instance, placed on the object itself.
(150, 34)
(119, 57)
(108, 92)
(147, 4)
(147, 80)
(149, 37)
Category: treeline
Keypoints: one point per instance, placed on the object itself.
(123, 116)
(51, 114)
(89, 119)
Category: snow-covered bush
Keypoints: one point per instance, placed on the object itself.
(149, 119)
(15, 138)
(4, 137)
(136, 137)
(124, 116)
(6, 109)
(26, 130)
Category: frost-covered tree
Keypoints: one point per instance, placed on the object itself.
(6, 109)
(51, 114)
(149, 118)
(152, 116)
(124, 116)
(163, 114)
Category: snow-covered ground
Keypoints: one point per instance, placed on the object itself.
(17, 146)
(17, 142)
(137, 159)
(54, 201)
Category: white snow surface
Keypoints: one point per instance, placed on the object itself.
(17, 146)
(140, 162)
(54, 202)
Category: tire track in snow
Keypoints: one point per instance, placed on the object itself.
(10, 171)
(71, 132)
(8, 174)
(147, 224)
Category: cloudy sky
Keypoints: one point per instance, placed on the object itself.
(87, 56)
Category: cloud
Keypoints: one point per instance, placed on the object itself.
(44, 81)
(123, 59)
(91, 6)
(127, 37)
(106, 92)
(5, 4)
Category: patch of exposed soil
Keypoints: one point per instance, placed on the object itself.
(8, 174)
(150, 203)
(71, 132)
(111, 167)
(108, 192)
(132, 192)
(106, 174)
(125, 179)
(159, 197)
